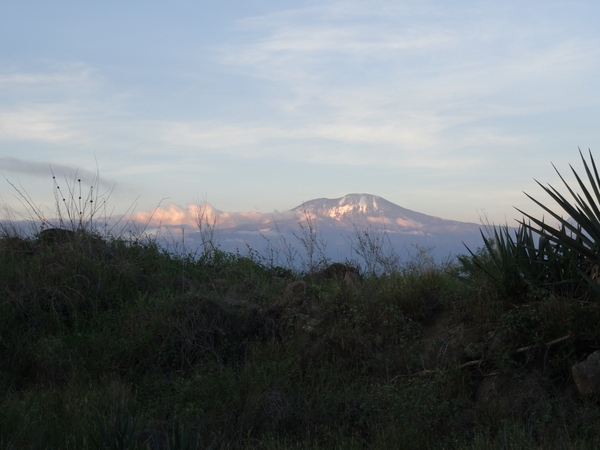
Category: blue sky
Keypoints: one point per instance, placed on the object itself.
(446, 108)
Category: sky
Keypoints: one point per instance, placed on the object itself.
(451, 109)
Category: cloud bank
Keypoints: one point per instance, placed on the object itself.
(205, 214)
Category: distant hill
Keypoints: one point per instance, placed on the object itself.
(367, 208)
(338, 224)
(339, 220)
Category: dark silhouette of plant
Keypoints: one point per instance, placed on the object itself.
(577, 237)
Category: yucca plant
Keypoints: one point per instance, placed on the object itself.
(516, 263)
(510, 263)
(577, 239)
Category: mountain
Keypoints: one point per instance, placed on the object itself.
(337, 226)
(362, 209)
(340, 222)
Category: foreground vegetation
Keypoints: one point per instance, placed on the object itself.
(114, 343)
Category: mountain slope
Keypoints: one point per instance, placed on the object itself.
(361, 209)
(341, 221)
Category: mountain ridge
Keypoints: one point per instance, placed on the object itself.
(362, 206)
(340, 221)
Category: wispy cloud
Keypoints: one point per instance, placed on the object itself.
(50, 104)
(396, 79)
(415, 78)
(410, 143)
(65, 74)
(45, 123)
(9, 165)
(215, 135)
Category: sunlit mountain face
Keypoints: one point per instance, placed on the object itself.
(360, 209)
(353, 205)
(339, 221)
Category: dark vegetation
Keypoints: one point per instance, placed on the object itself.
(114, 343)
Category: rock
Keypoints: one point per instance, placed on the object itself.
(586, 374)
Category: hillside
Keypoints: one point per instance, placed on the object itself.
(111, 343)
(115, 342)
(338, 221)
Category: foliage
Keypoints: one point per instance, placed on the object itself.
(118, 434)
(516, 265)
(179, 438)
(374, 250)
(565, 257)
(578, 237)
(107, 342)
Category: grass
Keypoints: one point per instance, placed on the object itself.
(115, 344)
(112, 343)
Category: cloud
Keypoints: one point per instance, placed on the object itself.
(336, 87)
(66, 75)
(356, 31)
(414, 78)
(50, 105)
(208, 134)
(410, 142)
(293, 42)
(47, 123)
(45, 169)
(206, 214)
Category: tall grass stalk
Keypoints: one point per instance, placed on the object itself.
(374, 249)
(75, 209)
(312, 242)
(207, 226)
